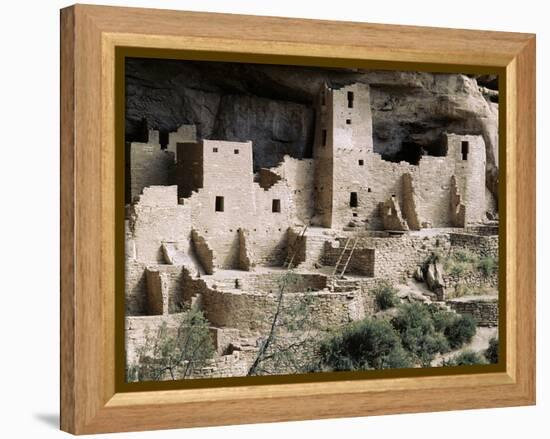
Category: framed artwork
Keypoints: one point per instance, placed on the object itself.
(270, 219)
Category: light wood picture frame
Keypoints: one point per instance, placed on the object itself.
(93, 40)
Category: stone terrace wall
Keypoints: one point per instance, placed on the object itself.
(252, 313)
(361, 262)
(483, 246)
(390, 258)
(234, 365)
(136, 329)
(485, 230)
(484, 311)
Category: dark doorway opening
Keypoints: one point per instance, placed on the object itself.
(353, 201)
(465, 149)
(350, 99)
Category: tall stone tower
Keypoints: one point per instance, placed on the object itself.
(468, 154)
(342, 141)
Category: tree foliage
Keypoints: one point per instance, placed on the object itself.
(289, 345)
(174, 354)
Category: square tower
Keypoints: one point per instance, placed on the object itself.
(343, 142)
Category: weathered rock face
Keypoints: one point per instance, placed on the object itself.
(273, 107)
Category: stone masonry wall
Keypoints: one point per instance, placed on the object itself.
(164, 289)
(252, 313)
(361, 262)
(299, 176)
(484, 311)
(483, 246)
(227, 175)
(398, 257)
(150, 165)
(352, 180)
(135, 288)
(204, 253)
(410, 213)
(184, 134)
(469, 155)
(156, 218)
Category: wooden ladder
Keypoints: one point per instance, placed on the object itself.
(294, 249)
(349, 248)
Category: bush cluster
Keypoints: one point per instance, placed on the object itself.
(491, 354)
(363, 345)
(415, 325)
(414, 336)
(462, 262)
(385, 296)
(466, 358)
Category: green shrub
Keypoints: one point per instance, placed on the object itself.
(415, 325)
(385, 295)
(461, 290)
(488, 265)
(491, 353)
(443, 319)
(460, 330)
(458, 268)
(362, 345)
(466, 358)
(464, 256)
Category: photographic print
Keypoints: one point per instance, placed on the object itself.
(287, 220)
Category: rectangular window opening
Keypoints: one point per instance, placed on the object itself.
(219, 204)
(235, 151)
(350, 99)
(348, 121)
(465, 149)
(361, 162)
(353, 202)
(214, 149)
(324, 137)
(276, 206)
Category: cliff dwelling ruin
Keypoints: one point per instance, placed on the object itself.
(204, 230)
